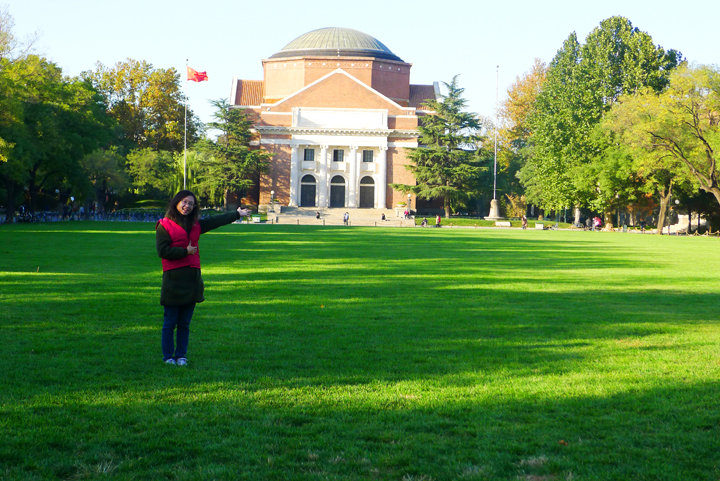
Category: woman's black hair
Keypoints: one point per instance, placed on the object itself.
(185, 221)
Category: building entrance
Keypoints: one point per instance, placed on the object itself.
(337, 191)
(367, 193)
(308, 187)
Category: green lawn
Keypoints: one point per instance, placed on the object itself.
(362, 353)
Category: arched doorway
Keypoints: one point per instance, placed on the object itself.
(337, 191)
(367, 192)
(308, 187)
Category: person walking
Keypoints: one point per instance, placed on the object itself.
(176, 240)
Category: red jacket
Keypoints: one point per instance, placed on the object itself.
(180, 238)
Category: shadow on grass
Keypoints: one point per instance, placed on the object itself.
(221, 432)
(360, 354)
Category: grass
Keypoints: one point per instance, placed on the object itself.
(362, 353)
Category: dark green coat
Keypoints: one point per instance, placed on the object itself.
(185, 285)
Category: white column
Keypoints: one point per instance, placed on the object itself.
(323, 177)
(381, 187)
(353, 177)
(295, 171)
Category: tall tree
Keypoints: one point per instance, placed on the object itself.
(56, 121)
(553, 122)
(517, 108)
(148, 104)
(515, 132)
(583, 82)
(446, 165)
(233, 165)
(677, 130)
(9, 103)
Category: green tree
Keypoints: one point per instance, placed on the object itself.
(514, 147)
(676, 132)
(55, 121)
(147, 103)
(583, 82)
(446, 165)
(153, 172)
(547, 173)
(9, 104)
(7, 39)
(232, 166)
(106, 174)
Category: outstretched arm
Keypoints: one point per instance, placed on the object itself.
(216, 221)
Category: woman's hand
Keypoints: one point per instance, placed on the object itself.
(243, 212)
(191, 249)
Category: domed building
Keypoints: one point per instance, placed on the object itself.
(336, 110)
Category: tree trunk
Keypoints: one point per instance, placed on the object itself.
(576, 220)
(633, 217)
(226, 200)
(607, 220)
(714, 191)
(664, 201)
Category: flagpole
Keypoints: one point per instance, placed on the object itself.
(494, 207)
(185, 139)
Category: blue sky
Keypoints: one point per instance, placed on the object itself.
(440, 39)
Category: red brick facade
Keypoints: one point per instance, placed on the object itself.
(312, 110)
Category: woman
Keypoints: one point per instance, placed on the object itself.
(176, 239)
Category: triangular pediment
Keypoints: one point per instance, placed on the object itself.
(338, 89)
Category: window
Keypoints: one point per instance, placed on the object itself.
(309, 155)
(367, 155)
(338, 155)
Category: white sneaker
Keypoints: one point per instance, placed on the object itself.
(181, 362)
(171, 361)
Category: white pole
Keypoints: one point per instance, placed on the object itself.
(185, 151)
(497, 82)
(185, 138)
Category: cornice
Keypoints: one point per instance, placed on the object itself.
(275, 130)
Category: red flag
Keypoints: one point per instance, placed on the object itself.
(196, 76)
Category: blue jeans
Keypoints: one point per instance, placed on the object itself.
(176, 317)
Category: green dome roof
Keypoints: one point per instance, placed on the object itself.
(336, 42)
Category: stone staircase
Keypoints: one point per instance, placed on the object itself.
(332, 216)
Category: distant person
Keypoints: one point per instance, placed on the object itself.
(642, 226)
(346, 218)
(437, 221)
(382, 216)
(317, 214)
(424, 222)
(176, 238)
(588, 223)
(597, 223)
(524, 221)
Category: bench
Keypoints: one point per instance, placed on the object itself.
(503, 223)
